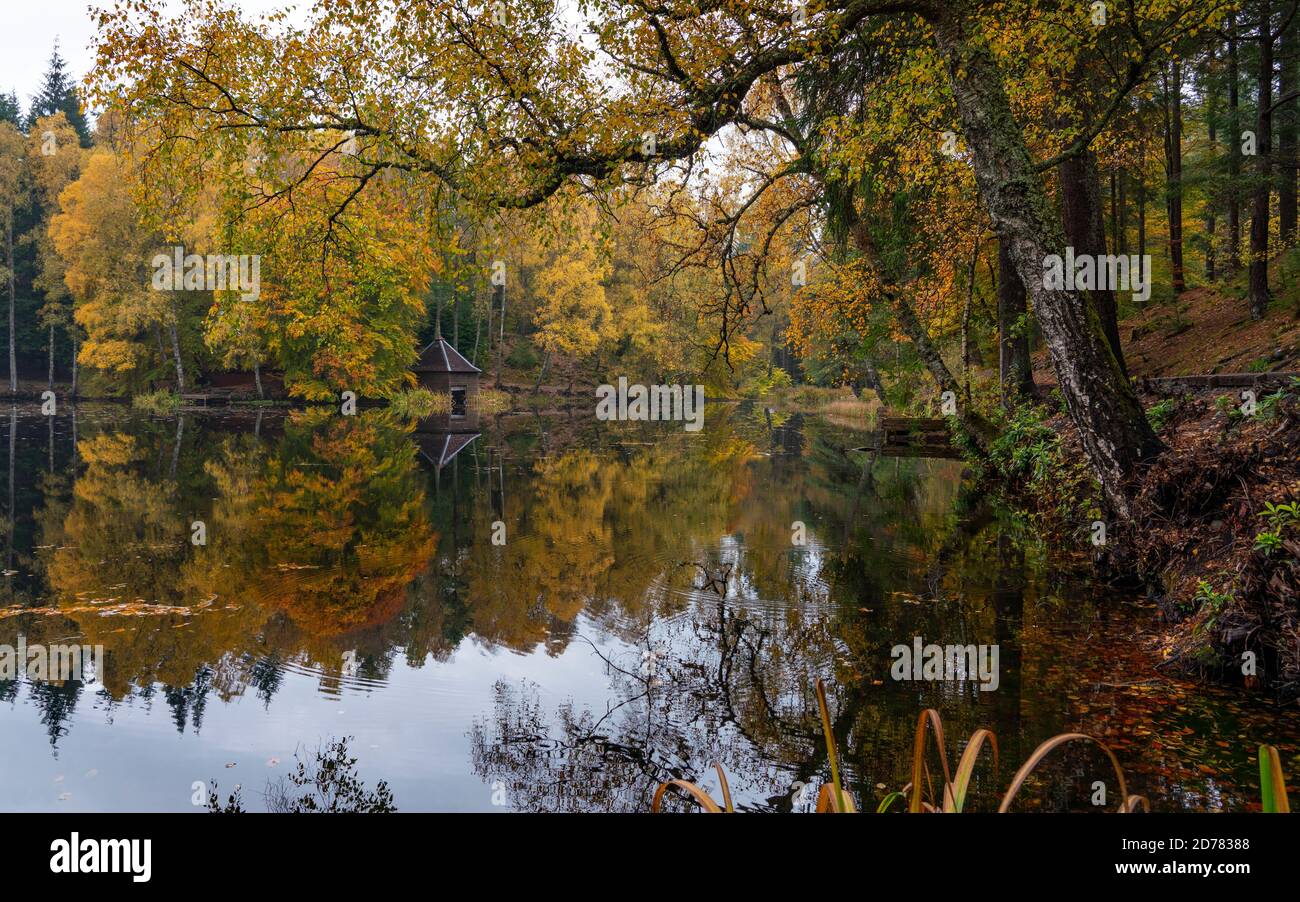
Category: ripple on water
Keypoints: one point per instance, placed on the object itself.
(764, 581)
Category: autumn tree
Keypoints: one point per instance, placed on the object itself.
(531, 112)
(55, 156)
(105, 253)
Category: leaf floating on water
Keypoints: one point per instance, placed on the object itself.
(231, 764)
(137, 608)
(272, 762)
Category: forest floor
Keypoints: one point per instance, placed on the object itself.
(1229, 606)
(1206, 332)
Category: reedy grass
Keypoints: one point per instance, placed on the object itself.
(705, 800)
(1272, 782)
(834, 798)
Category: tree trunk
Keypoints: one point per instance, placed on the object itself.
(966, 350)
(1142, 214)
(1112, 424)
(50, 380)
(1174, 172)
(871, 379)
(1259, 296)
(773, 351)
(976, 427)
(1286, 162)
(13, 430)
(176, 354)
(501, 334)
(1015, 370)
(1234, 149)
(1085, 227)
(13, 302)
(180, 438)
(488, 352)
(1121, 227)
(257, 377)
(72, 334)
(1114, 211)
(541, 373)
(1211, 110)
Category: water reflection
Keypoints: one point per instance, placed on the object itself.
(645, 610)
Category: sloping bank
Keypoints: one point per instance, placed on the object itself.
(1215, 532)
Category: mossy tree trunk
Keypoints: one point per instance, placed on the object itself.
(1101, 401)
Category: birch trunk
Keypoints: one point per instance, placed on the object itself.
(1111, 422)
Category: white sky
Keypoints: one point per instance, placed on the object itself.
(31, 26)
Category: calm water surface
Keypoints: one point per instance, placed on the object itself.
(647, 615)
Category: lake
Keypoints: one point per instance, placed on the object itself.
(550, 613)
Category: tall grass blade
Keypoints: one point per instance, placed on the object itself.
(841, 802)
(1045, 749)
(887, 802)
(928, 719)
(955, 797)
(827, 801)
(726, 788)
(705, 800)
(1272, 781)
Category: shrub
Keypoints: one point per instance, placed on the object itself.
(417, 403)
(522, 357)
(1281, 518)
(1028, 456)
(765, 383)
(159, 403)
(1159, 414)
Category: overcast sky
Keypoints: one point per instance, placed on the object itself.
(28, 36)
(30, 28)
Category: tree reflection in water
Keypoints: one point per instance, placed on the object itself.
(339, 548)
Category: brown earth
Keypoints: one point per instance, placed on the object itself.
(1200, 506)
(1204, 331)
